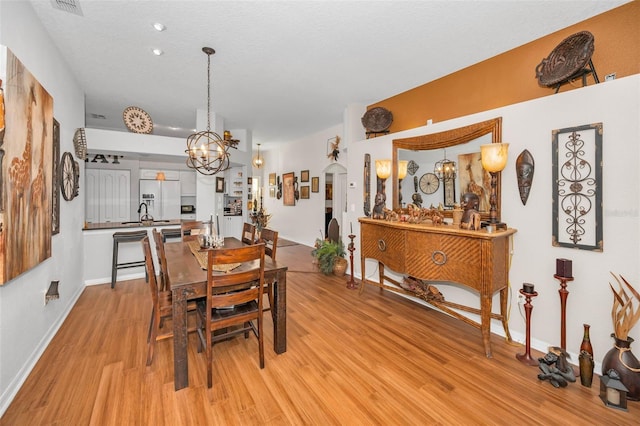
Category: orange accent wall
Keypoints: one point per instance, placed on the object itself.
(510, 77)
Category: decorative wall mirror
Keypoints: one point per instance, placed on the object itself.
(461, 146)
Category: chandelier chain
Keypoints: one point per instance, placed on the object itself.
(208, 92)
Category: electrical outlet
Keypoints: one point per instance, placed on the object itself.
(520, 299)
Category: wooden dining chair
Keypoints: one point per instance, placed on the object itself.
(191, 228)
(162, 260)
(162, 307)
(234, 299)
(248, 233)
(270, 239)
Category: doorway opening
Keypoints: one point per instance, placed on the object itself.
(335, 194)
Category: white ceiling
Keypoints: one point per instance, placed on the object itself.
(283, 69)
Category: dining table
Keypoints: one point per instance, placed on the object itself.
(188, 280)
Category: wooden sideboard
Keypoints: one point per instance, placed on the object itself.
(476, 259)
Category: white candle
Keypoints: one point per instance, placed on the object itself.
(613, 396)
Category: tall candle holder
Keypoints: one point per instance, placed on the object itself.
(563, 308)
(528, 293)
(352, 284)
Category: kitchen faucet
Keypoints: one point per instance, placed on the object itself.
(146, 210)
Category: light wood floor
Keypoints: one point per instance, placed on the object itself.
(352, 359)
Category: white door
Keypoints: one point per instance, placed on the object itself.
(170, 200)
(114, 195)
(92, 196)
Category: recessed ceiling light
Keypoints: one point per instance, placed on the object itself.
(157, 52)
(159, 27)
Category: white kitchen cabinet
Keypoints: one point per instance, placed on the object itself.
(232, 226)
(108, 195)
(187, 184)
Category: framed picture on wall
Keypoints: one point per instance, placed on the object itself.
(272, 179)
(219, 184)
(304, 176)
(315, 184)
(288, 190)
(304, 192)
(272, 192)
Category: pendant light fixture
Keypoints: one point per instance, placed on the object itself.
(258, 161)
(445, 169)
(207, 152)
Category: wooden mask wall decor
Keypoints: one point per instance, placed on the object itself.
(524, 171)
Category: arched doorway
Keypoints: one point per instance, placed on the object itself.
(335, 204)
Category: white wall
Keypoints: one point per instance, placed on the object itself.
(529, 125)
(26, 325)
(304, 221)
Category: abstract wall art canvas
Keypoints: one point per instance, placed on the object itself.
(26, 151)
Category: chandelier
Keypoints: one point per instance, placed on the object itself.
(445, 169)
(258, 161)
(207, 152)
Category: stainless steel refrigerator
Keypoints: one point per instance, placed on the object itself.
(162, 198)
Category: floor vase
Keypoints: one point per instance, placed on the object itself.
(621, 359)
(585, 359)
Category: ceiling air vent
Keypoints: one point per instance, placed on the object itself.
(71, 6)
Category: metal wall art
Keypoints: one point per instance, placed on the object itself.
(577, 187)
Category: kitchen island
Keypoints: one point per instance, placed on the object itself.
(98, 253)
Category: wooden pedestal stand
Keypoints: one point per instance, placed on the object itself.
(526, 358)
(351, 284)
(563, 308)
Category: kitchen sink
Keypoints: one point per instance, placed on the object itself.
(138, 222)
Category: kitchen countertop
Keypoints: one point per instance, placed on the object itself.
(131, 224)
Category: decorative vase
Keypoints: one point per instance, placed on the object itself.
(585, 359)
(621, 359)
(340, 266)
(457, 217)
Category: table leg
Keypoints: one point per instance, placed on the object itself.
(180, 340)
(485, 323)
(280, 323)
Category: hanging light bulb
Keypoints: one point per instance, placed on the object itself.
(207, 152)
(258, 161)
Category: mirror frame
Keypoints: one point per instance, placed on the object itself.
(446, 139)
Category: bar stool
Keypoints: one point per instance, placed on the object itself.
(124, 237)
(170, 233)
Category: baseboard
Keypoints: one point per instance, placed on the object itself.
(107, 280)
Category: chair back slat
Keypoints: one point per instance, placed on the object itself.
(249, 273)
(151, 270)
(193, 227)
(270, 239)
(162, 260)
(248, 233)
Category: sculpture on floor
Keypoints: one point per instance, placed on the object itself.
(556, 368)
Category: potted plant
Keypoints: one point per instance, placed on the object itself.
(329, 255)
(620, 357)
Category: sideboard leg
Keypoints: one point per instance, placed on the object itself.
(485, 323)
(504, 295)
